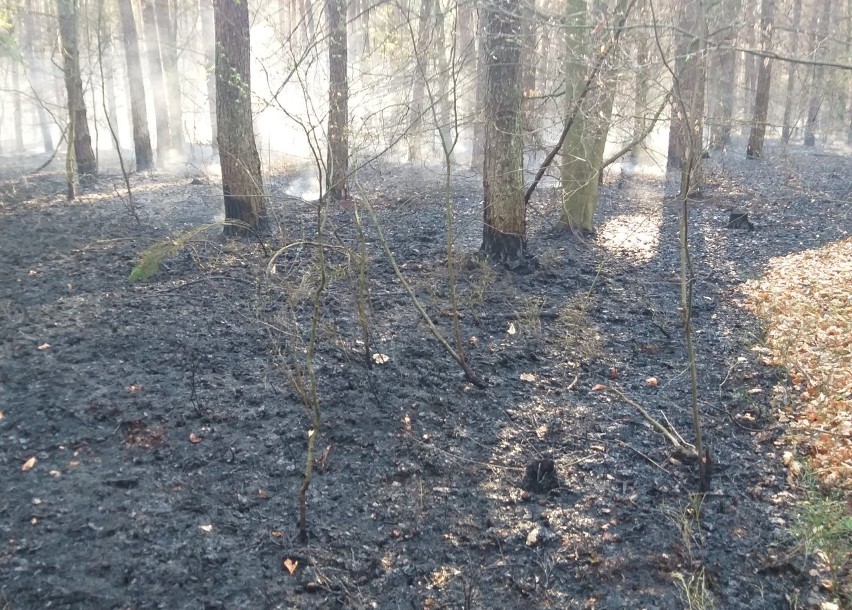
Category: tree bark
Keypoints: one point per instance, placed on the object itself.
(30, 38)
(136, 89)
(418, 88)
(158, 87)
(761, 99)
(242, 183)
(722, 76)
(87, 166)
(337, 160)
(504, 227)
(17, 110)
(477, 146)
(787, 129)
(167, 34)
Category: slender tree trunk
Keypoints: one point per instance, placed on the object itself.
(761, 100)
(242, 183)
(418, 89)
(723, 67)
(136, 89)
(477, 148)
(30, 38)
(17, 110)
(505, 223)
(337, 161)
(685, 136)
(207, 31)
(787, 129)
(817, 73)
(167, 34)
(87, 166)
(158, 86)
(444, 99)
(640, 91)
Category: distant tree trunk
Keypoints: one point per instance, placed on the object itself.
(284, 18)
(241, 179)
(109, 82)
(761, 100)
(505, 222)
(30, 38)
(477, 147)
(444, 98)
(722, 77)
(136, 89)
(337, 161)
(167, 34)
(17, 110)
(418, 88)
(640, 91)
(158, 87)
(816, 89)
(749, 65)
(87, 166)
(207, 31)
(685, 136)
(787, 129)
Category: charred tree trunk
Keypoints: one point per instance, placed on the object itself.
(136, 89)
(505, 222)
(242, 184)
(761, 99)
(337, 161)
(87, 165)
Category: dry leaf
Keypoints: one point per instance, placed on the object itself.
(134, 388)
(512, 330)
(195, 438)
(206, 528)
(276, 534)
(528, 377)
(613, 373)
(44, 346)
(290, 565)
(29, 464)
(598, 387)
(381, 358)
(652, 382)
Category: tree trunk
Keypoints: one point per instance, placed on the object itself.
(722, 72)
(207, 31)
(167, 34)
(640, 91)
(477, 145)
(685, 136)
(337, 161)
(241, 179)
(529, 59)
(29, 53)
(787, 129)
(418, 88)
(158, 87)
(17, 110)
(761, 99)
(504, 228)
(136, 89)
(820, 33)
(87, 166)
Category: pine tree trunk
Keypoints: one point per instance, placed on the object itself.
(761, 99)
(504, 228)
(136, 89)
(337, 161)
(158, 86)
(787, 129)
(242, 183)
(167, 34)
(87, 166)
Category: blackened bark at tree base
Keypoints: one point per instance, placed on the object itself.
(503, 247)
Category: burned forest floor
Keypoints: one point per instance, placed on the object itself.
(153, 433)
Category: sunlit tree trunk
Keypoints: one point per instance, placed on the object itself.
(820, 33)
(167, 34)
(207, 31)
(787, 129)
(136, 89)
(641, 86)
(477, 147)
(761, 99)
(721, 76)
(337, 161)
(685, 136)
(87, 166)
(242, 183)
(158, 86)
(30, 40)
(505, 223)
(17, 109)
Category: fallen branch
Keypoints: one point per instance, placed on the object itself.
(683, 448)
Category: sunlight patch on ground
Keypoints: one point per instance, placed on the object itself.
(805, 303)
(635, 236)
